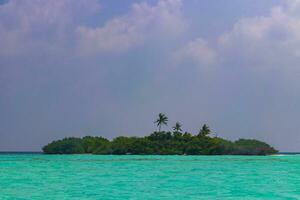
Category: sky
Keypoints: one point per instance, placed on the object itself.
(107, 68)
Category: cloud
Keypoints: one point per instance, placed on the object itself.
(57, 27)
(34, 26)
(196, 52)
(124, 32)
(259, 43)
(265, 42)
(293, 6)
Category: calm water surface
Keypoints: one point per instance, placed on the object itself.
(30, 176)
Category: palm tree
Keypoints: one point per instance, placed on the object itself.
(162, 120)
(204, 131)
(177, 127)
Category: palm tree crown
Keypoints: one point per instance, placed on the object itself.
(204, 131)
(162, 120)
(177, 127)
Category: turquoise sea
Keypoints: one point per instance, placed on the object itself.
(59, 177)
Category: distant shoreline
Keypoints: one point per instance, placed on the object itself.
(289, 153)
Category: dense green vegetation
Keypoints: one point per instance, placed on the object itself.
(161, 143)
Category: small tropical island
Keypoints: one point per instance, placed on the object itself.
(161, 143)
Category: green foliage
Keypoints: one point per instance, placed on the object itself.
(121, 145)
(65, 146)
(204, 131)
(252, 147)
(92, 144)
(162, 120)
(104, 149)
(177, 127)
(160, 143)
(220, 146)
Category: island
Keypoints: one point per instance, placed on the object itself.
(161, 143)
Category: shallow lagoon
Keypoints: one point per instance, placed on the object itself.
(38, 176)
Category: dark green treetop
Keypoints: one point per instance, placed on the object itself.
(177, 127)
(204, 131)
(162, 120)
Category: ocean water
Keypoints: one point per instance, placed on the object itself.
(59, 177)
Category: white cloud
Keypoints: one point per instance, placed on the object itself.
(265, 42)
(36, 25)
(197, 52)
(143, 21)
(293, 5)
(57, 26)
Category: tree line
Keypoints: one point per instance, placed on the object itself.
(161, 143)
